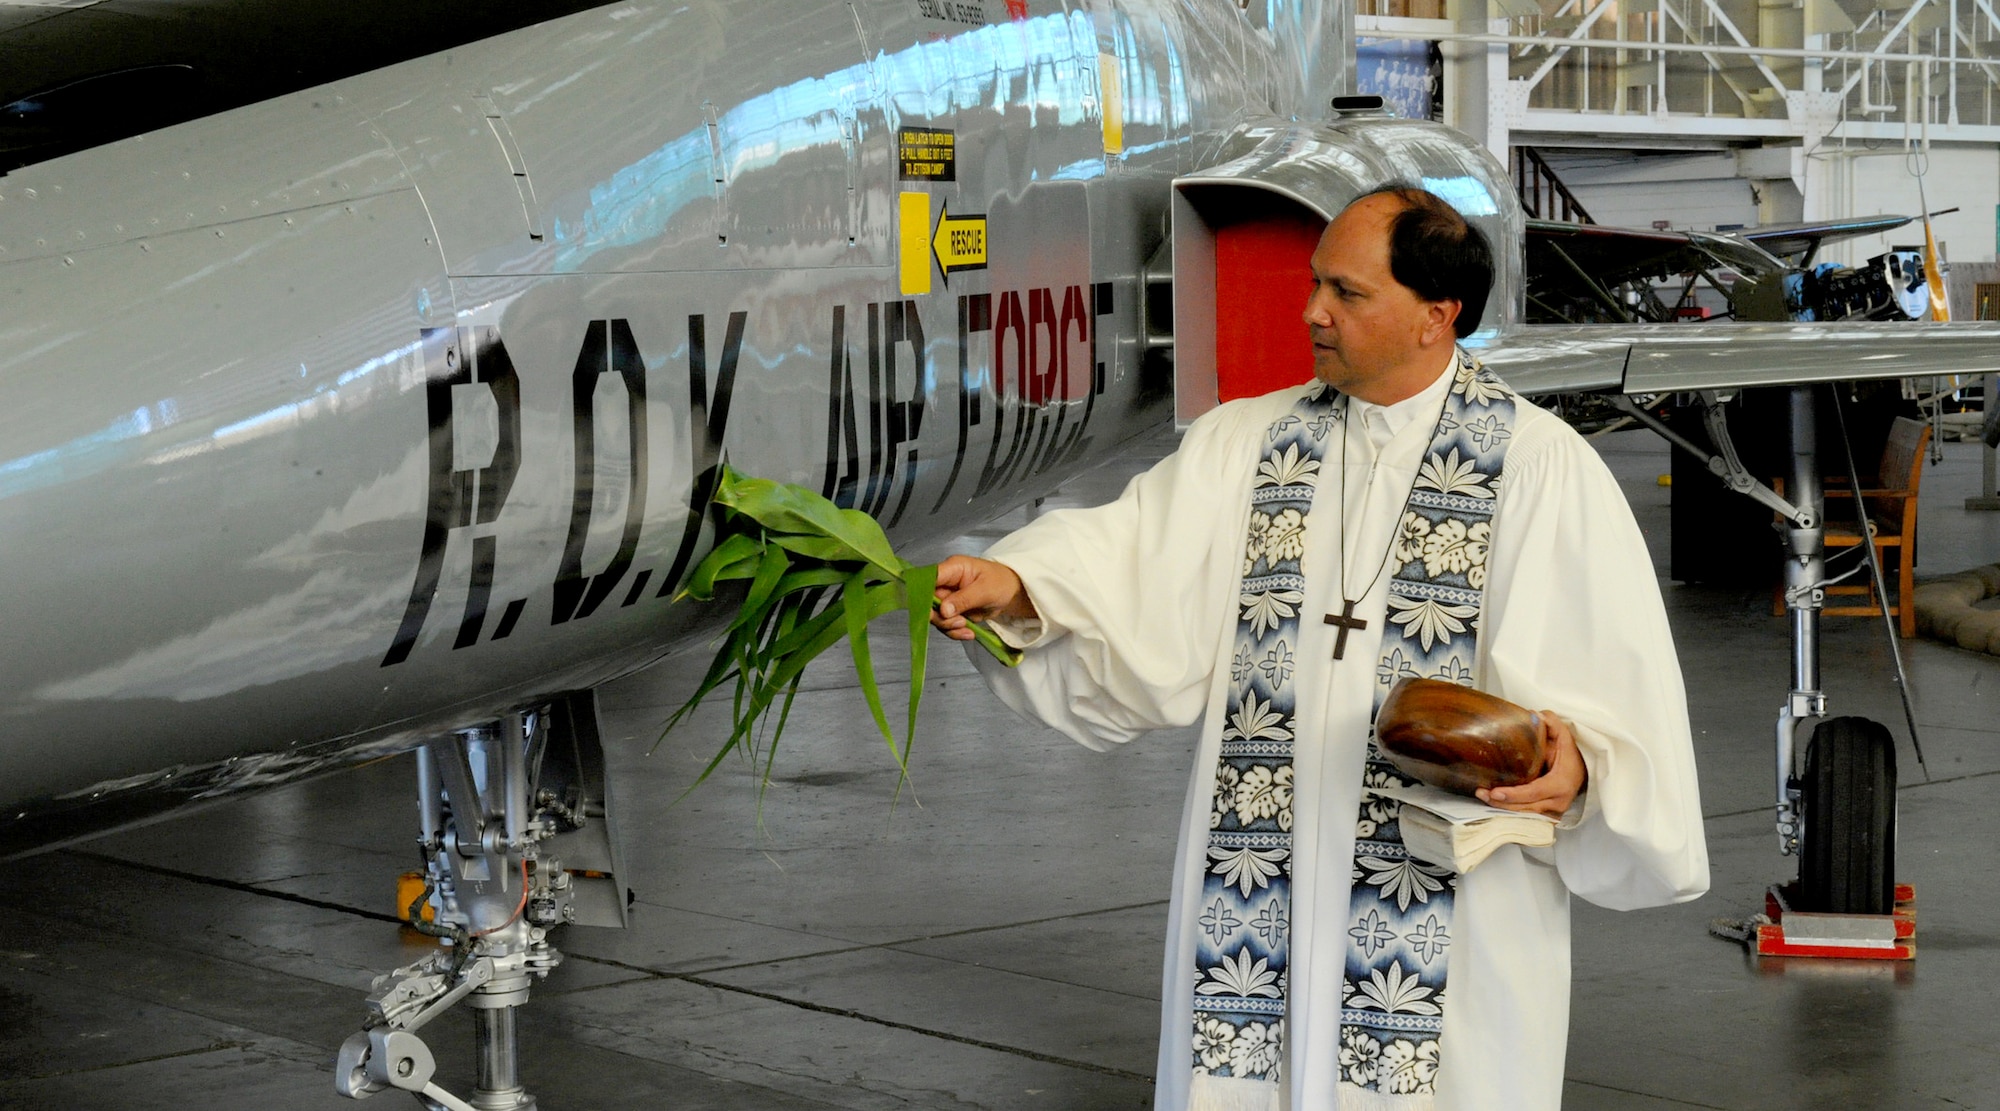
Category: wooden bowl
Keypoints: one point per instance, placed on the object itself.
(1460, 739)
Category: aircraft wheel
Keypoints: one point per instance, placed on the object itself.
(1847, 858)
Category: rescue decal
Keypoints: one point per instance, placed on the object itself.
(960, 243)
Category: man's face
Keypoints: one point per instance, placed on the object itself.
(1369, 331)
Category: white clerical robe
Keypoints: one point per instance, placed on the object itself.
(1137, 603)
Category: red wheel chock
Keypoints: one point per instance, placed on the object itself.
(1784, 932)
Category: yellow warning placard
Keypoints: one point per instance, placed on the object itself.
(913, 230)
(959, 243)
(926, 154)
(1111, 102)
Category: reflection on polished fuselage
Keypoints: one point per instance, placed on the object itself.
(343, 416)
(367, 411)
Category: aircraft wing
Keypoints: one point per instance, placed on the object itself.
(1613, 255)
(1667, 358)
(1802, 240)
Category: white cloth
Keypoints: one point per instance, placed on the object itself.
(1137, 603)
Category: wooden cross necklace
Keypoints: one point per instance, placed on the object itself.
(1347, 621)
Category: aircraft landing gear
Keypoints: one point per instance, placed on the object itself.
(498, 803)
(1847, 846)
(392, 1055)
(1839, 817)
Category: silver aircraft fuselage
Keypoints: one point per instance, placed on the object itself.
(365, 362)
(358, 413)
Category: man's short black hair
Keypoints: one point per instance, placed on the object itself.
(1438, 254)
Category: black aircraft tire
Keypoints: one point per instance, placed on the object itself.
(1847, 860)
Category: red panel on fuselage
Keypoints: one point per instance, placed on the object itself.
(1262, 276)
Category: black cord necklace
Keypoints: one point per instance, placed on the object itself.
(1345, 619)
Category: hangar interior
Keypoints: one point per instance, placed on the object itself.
(1666, 113)
(990, 936)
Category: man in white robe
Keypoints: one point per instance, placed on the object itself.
(1128, 613)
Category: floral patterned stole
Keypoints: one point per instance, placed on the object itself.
(1399, 928)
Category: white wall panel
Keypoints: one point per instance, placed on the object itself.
(1881, 181)
(1698, 191)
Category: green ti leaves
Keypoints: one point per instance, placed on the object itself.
(816, 574)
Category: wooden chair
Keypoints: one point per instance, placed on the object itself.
(1892, 510)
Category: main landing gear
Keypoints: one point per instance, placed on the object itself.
(1838, 815)
(516, 841)
(1846, 837)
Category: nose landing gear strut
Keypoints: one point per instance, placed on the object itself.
(517, 841)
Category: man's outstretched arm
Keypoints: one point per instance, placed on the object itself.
(972, 589)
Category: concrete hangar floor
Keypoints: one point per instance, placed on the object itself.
(998, 945)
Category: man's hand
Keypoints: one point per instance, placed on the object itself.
(1558, 787)
(970, 589)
